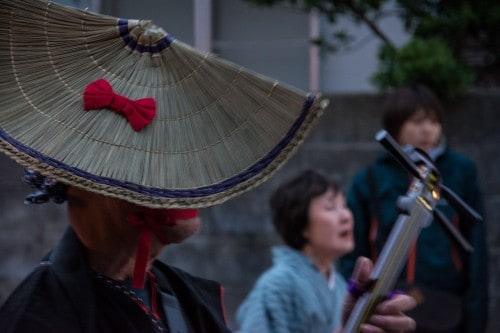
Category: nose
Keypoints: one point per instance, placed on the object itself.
(346, 216)
(427, 125)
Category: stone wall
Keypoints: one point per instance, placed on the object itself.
(233, 246)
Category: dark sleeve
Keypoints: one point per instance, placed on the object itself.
(358, 202)
(200, 299)
(477, 292)
(37, 305)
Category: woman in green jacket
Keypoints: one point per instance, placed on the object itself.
(413, 116)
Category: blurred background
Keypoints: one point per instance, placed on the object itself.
(343, 51)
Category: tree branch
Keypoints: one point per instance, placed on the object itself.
(360, 14)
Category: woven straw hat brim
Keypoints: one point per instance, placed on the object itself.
(220, 129)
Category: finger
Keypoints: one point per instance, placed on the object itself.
(399, 323)
(367, 328)
(390, 315)
(398, 304)
(360, 277)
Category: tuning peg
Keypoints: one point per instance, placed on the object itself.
(459, 205)
(394, 148)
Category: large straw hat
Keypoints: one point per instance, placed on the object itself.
(219, 129)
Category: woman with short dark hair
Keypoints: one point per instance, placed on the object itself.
(302, 291)
(414, 117)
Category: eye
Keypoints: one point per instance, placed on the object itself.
(333, 206)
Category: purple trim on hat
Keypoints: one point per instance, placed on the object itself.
(157, 192)
(132, 43)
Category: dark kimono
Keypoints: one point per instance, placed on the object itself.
(63, 295)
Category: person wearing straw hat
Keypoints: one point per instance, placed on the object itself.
(136, 131)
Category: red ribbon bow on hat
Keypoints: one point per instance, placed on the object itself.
(139, 113)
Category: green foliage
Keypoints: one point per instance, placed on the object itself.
(470, 28)
(429, 62)
(468, 32)
(453, 21)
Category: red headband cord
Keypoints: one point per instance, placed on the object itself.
(150, 223)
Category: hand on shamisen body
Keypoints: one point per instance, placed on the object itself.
(389, 315)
